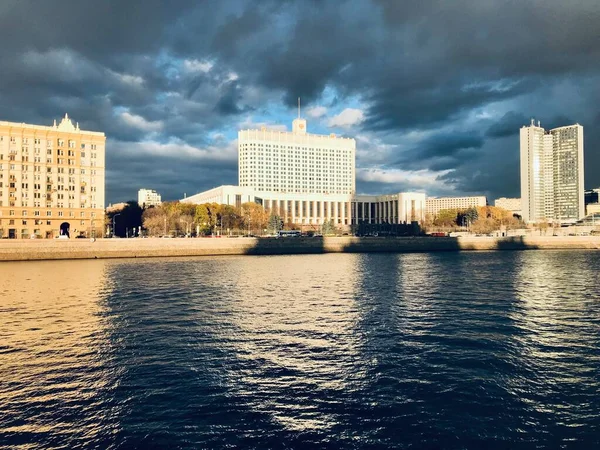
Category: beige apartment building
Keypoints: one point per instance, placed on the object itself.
(51, 180)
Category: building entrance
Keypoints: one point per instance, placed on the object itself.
(64, 229)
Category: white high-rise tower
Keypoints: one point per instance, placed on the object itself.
(552, 173)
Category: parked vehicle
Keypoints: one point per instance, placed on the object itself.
(289, 233)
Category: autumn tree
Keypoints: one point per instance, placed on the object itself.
(542, 226)
(484, 225)
(446, 218)
(255, 217)
(229, 218)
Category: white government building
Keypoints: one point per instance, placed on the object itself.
(552, 173)
(309, 179)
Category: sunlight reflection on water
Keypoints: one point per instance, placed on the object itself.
(491, 349)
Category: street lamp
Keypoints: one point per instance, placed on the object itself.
(113, 221)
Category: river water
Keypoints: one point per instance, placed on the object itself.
(440, 350)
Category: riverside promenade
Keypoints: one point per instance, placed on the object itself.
(30, 250)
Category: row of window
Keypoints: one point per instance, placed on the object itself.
(60, 142)
(37, 213)
(36, 222)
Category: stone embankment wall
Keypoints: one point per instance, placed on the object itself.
(142, 248)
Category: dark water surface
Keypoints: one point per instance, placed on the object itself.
(457, 350)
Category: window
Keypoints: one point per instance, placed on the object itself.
(48, 213)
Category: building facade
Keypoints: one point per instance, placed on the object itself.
(404, 207)
(148, 197)
(308, 180)
(51, 180)
(510, 204)
(316, 209)
(552, 173)
(310, 209)
(435, 204)
(296, 162)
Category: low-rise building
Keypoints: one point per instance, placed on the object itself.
(403, 207)
(298, 208)
(435, 204)
(510, 204)
(592, 196)
(148, 197)
(592, 208)
(316, 209)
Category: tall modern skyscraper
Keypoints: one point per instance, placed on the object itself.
(552, 173)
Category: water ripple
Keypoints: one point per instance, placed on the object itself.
(457, 350)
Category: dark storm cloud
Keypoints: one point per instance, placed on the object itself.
(228, 103)
(448, 144)
(508, 125)
(183, 71)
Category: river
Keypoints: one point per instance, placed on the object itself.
(442, 350)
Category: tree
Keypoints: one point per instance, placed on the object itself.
(206, 217)
(328, 228)
(255, 217)
(230, 218)
(446, 218)
(154, 220)
(542, 226)
(275, 224)
(470, 216)
(186, 222)
(484, 225)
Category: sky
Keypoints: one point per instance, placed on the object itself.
(434, 91)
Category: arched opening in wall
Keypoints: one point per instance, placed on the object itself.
(64, 229)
